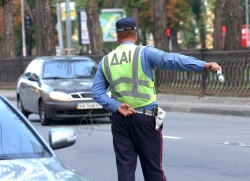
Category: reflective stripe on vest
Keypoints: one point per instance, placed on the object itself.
(141, 92)
(134, 80)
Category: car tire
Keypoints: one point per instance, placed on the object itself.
(42, 114)
(20, 107)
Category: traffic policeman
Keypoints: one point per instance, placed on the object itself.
(136, 121)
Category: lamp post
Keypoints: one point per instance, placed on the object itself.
(23, 30)
(59, 26)
(68, 26)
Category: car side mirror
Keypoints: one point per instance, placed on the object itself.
(33, 77)
(61, 137)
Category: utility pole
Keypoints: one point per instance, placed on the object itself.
(59, 26)
(23, 30)
(68, 26)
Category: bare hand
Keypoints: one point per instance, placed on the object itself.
(125, 110)
(212, 67)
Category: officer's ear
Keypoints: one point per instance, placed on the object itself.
(118, 38)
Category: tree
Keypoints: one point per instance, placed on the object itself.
(217, 43)
(233, 18)
(9, 37)
(146, 19)
(160, 25)
(178, 13)
(198, 9)
(132, 9)
(44, 28)
(93, 24)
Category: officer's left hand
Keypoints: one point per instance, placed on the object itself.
(125, 109)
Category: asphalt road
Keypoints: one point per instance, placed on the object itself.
(196, 147)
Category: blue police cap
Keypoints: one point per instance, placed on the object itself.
(125, 22)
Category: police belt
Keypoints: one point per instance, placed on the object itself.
(147, 112)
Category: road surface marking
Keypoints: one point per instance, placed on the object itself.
(171, 137)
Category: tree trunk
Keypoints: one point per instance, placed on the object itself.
(160, 25)
(174, 39)
(202, 32)
(44, 28)
(38, 29)
(217, 42)
(9, 37)
(233, 17)
(94, 27)
(48, 29)
(135, 17)
(144, 38)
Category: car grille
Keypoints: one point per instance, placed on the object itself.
(81, 96)
(94, 112)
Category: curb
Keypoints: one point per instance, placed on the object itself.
(230, 106)
(202, 110)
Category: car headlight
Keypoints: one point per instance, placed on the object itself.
(59, 96)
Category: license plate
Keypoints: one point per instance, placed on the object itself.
(88, 106)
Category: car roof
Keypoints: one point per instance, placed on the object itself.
(64, 57)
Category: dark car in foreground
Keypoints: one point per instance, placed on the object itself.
(59, 87)
(25, 155)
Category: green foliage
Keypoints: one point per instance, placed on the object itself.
(31, 3)
(126, 5)
(109, 46)
(196, 8)
(146, 16)
(189, 35)
(80, 3)
(178, 12)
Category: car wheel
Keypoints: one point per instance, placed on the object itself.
(20, 107)
(42, 114)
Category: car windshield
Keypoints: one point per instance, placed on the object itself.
(16, 139)
(68, 69)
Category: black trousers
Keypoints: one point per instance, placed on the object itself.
(135, 136)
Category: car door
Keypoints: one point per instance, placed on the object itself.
(24, 83)
(34, 87)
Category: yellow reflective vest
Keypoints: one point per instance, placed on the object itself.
(128, 83)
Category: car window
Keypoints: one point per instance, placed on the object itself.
(38, 68)
(69, 69)
(16, 139)
(30, 68)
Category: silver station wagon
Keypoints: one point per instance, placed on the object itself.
(57, 88)
(25, 155)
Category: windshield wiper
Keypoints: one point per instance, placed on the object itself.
(55, 77)
(82, 76)
(2, 157)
